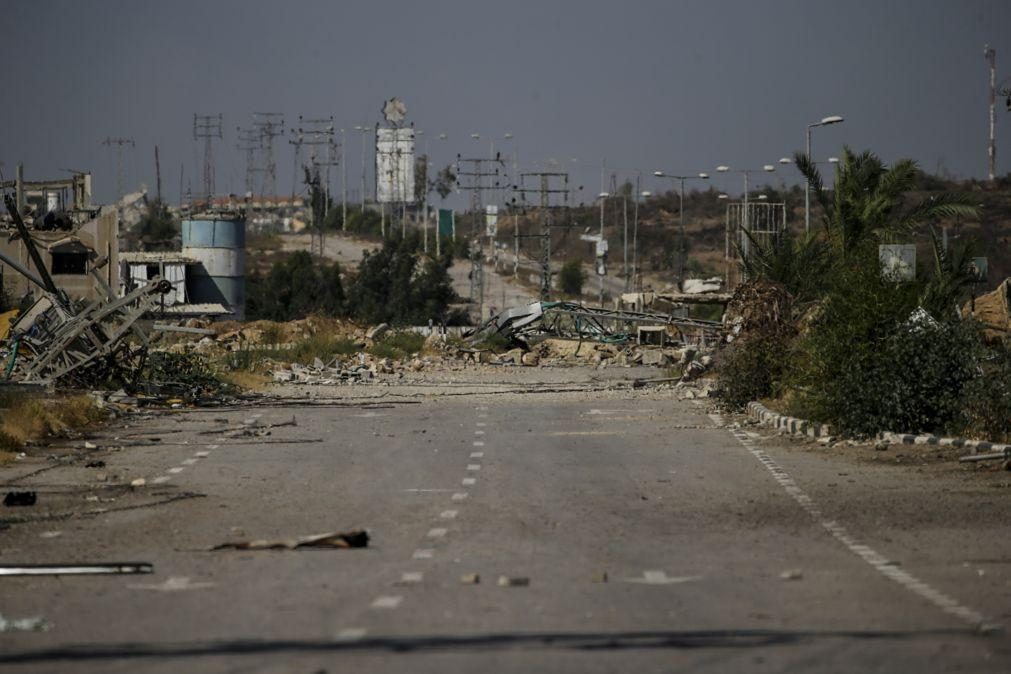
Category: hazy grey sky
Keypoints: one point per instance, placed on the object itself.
(680, 86)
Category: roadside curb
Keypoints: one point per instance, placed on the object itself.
(803, 427)
(791, 425)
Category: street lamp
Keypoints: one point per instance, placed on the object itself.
(645, 194)
(602, 197)
(363, 130)
(681, 217)
(833, 119)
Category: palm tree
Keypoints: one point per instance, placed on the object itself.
(867, 200)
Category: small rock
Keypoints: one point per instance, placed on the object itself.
(792, 574)
(90, 445)
(470, 579)
(599, 577)
(881, 446)
(513, 581)
(139, 482)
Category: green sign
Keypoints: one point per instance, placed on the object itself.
(447, 222)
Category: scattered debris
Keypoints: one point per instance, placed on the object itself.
(356, 538)
(173, 584)
(95, 464)
(20, 498)
(792, 574)
(76, 569)
(36, 624)
(599, 577)
(513, 581)
(139, 482)
(470, 579)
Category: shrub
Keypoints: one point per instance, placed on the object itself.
(987, 411)
(572, 277)
(398, 345)
(750, 366)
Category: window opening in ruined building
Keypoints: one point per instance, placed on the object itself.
(70, 263)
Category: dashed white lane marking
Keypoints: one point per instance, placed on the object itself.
(473, 466)
(423, 553)
(387, 602)
(161, 479)
(411, 577)
(202, 455)
(477, 455)
(352, 634)
(459, 496)
(865, 552)
(661, 578)
(448, 514)
(478, 432)
(438, 532)
(189, 462)
(426, 491)
(468, 481)
(482, 416)
(595, 411)
(479, 443)
(481, 424)
(176, 470)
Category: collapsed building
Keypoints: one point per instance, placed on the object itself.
(73, 237)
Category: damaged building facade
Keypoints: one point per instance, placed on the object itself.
(73, 236)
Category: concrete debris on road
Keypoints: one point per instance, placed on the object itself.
(33, 624)
(513, 581)
(356, 538)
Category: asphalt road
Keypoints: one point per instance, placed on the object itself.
(650, 536)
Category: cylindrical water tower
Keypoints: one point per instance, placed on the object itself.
(218, 242)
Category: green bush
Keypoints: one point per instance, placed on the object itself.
(572, 277)
(398, 345)
(987, 410)
(749, 367)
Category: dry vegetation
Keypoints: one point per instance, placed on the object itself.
(26, 418)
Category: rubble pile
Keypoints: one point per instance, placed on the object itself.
(757, 305)
(994, 311)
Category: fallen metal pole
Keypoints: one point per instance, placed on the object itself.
(76, 569)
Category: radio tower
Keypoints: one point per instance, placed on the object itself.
(270, 125)
(207, 128)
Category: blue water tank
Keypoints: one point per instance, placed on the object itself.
(218, 242)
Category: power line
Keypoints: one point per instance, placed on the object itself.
(119, 143)
(478, 179)
(207, 128)
(270, 125)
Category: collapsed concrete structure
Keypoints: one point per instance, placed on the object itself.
(73, 236)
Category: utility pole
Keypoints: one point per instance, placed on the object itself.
(207, 128)
(157, 174)
(249, 142)
(990, 55)
(270, 125)
(317, 133)
(552, 193)
(479, 178)
(118, 143)
(344, 184)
